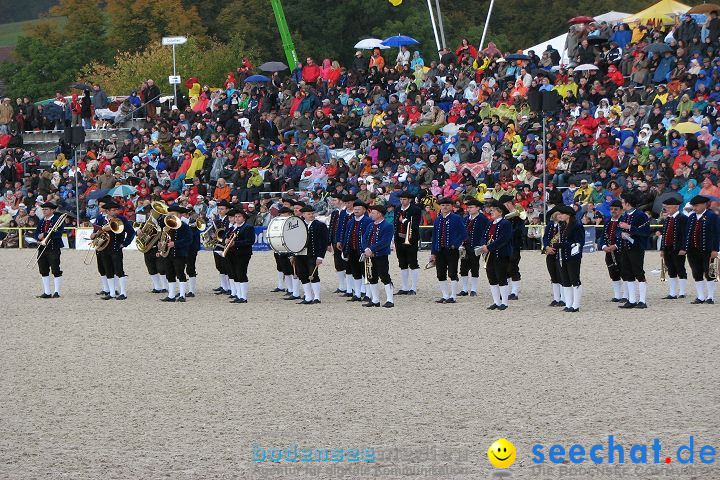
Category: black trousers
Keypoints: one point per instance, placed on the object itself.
(278, 263)
(353, 265)
(50, 261)
(380, 270)
(304, 266)
(190, 265)
(100, 264)
(338, 260)
(552, 268)
(570, 271)
(699, 264)
(238, 267)
(632, 265)
(513, 270)
(613, 266)
(407, 256)
(221, 264)
(471, 263)
(153, 263)
(446, 264)
(176, 269)
(675, 264)
(287, 268)
(113, 261)
(497, 270)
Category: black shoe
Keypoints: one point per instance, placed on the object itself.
(473, 294)
(355, 299)
(168, 299)
(221, 292)
(121, 297)
(401, 292)
(669, 297)
(561, 303)
(347, 295)
(164, 290)
(108, 297)
(628, 305)
(180, 299)
(681, 296)
(492, 307)
(44, 295)
(442, 300)
(623, 300)
(512, 296)
(450, 300)
(275, 290)
(502, 307)
(316, 301)
(710, 301)
(305, 302)
(641, 305)
(463, 294)
(697, 301)
(371, 304)
(239, 300)
(291, 298)
(155, 290)
(554, 303)
(218, 289)
(101, 293)
(411, 292)
(365, 298)
(388, 305)
(573, 310)
(232, 297)
(56, 295)
(616, 300)
(567, 309)
(337, 290)
(190, 295)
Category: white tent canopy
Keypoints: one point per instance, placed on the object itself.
(558, 43)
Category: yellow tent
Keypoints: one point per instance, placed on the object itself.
(665, 11)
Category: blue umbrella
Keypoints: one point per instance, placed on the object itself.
(96, 194)
(399, 40)
(257, 78)
(122, 191)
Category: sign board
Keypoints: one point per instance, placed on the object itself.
(174, 40)
(174, 79)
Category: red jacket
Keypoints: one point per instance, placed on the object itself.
(310, 73)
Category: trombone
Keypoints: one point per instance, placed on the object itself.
(45, 242)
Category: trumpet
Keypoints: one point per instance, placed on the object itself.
(230, 244)
(46, 239)
(663, 270)
(172, 222)
(714, 269)
(199, 223)
(408, 232)
(368, 269)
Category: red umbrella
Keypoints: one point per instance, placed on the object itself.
(582, 19)
(191, 81)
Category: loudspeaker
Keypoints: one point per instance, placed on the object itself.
(74, 136)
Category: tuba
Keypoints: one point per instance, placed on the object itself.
(101, 242)
(149, 233)
(212, 236)
(172, 222)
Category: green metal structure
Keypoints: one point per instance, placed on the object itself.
(287, 42)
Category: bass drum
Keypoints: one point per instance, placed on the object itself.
(287, 234)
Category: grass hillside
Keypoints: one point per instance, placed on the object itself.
(9, 32)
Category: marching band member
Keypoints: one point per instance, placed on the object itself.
(50, 259)
(297, 207)
(701, 247)
(635, 230)
(179, 244)
(348, 200)
(551, 230)
(610, 242)
(191, 265)
(239, 255)
(377, 240)
(518, 230)
(448, 235)
(569, 250)
(308, 264)
(497, 247)
(98, 222)
(282, 261)
(673, 240)
(338, 218)
(356, 226)
(407, 221)
(222, 221)
(475, 225)
(112, 256)
(155, 264)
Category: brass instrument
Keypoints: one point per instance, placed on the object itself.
(555, 238)
(408, 232)
(462, 252)
(172, 222)
(518, 212)
(231, 243)
(199, 223)
(150, 232)
(212, 236)
(368, 270)
(663, 270)
(102, 240)
(714, 269)
(430, 264)
(46, 239)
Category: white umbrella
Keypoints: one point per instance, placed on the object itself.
(585, 67)
(370, 43)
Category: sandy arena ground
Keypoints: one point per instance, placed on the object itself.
(142, 389)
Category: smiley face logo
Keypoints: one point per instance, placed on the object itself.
(501, 453)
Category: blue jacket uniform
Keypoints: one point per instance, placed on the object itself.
(639, 230)
(572, 235)
(244, 239)
(338, 219)
(518, 232)
(359, 228)
(122, 240)
(318, 238)
(378, 238)
(475, 229)
(182, 237)
(452, 229)
(195, 243)
(676, 241)
(55, 242)
(705, 236)
(499, 242)
(611, 234)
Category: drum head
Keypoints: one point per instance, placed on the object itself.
(295, 234)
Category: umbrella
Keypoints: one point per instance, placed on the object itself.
(658, 203)
(190, 82)
(581, 19)
(586, 67)
(516, 56)
(122, 191)
(399, 41)
(96, 194)
(82, 86)
(370, 43)
(686, 127)
(273, 67)
(541, 72)
(257, 78)
(704, 8)
(657, 47)
(597, 40)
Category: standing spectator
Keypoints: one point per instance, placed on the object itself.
(6, 115)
